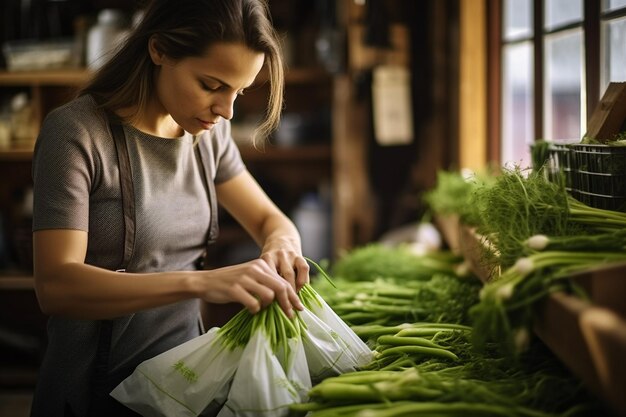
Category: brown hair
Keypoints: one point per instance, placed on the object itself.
(182, 29)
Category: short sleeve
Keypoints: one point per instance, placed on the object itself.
(63, 171)
(228, 162)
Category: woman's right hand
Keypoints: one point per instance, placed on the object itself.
(254, 284)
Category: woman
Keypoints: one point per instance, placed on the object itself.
(126, 181)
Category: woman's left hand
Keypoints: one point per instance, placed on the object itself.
(288, 262)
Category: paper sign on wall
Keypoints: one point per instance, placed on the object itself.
(392, 109)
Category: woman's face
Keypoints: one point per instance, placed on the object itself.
(197, 92)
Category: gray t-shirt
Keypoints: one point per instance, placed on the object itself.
(77, 186)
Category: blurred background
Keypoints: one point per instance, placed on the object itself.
(380, 95)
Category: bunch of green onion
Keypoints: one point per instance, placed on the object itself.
(542, 237)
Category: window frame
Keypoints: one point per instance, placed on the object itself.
(591, 26)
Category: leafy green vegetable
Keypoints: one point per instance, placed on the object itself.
(453, 193)
(390, 301)
(369, 262)
(540, 153)
(521, 204)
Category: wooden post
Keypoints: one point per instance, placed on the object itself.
(608, 118)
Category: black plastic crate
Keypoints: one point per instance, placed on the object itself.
(561, 162)
(613, 185)
(603, 159)
(600, 201)
(601, 175)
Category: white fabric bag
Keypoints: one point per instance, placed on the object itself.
(327, 354)
(261, 387)
(357, 347)
(183, 381)
(297, 368)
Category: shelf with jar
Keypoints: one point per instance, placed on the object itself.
(27, 96)
(42, 91)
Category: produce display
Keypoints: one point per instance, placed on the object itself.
(431, 367)
(389, 333)
(538, 235)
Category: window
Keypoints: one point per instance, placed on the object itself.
(517, 80)
(613, 46)
(556, 58)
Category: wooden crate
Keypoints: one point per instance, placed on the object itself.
(591, 341)
(474, 249)
(588, 336)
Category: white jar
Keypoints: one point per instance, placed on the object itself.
(313, 221)
(103, 38)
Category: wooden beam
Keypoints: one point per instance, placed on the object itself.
(472, 84)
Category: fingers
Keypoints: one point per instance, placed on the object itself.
(286, 271)
(250, 302)
(294, 300)
(282, 264)
(255, 284)
(292, 267)
(269, 286)
(285, 295)
(302, 272)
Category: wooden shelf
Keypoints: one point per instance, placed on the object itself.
(286, 154)
(17, 282)
(450, 228)
(18, 376)
(298, 75)
(61, 77)
(8, 155)
(78, 76)
(306, 75)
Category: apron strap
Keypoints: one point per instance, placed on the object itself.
(204, 157)
(100, 388)
(128, 193)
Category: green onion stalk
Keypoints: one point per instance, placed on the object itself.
(504, 313)
(610, 241)
(277, 326)
(540, 394)
(439, 409)
(596, 218)
(374, 331)
(537, 386)
(272, 320)
(416, 343)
